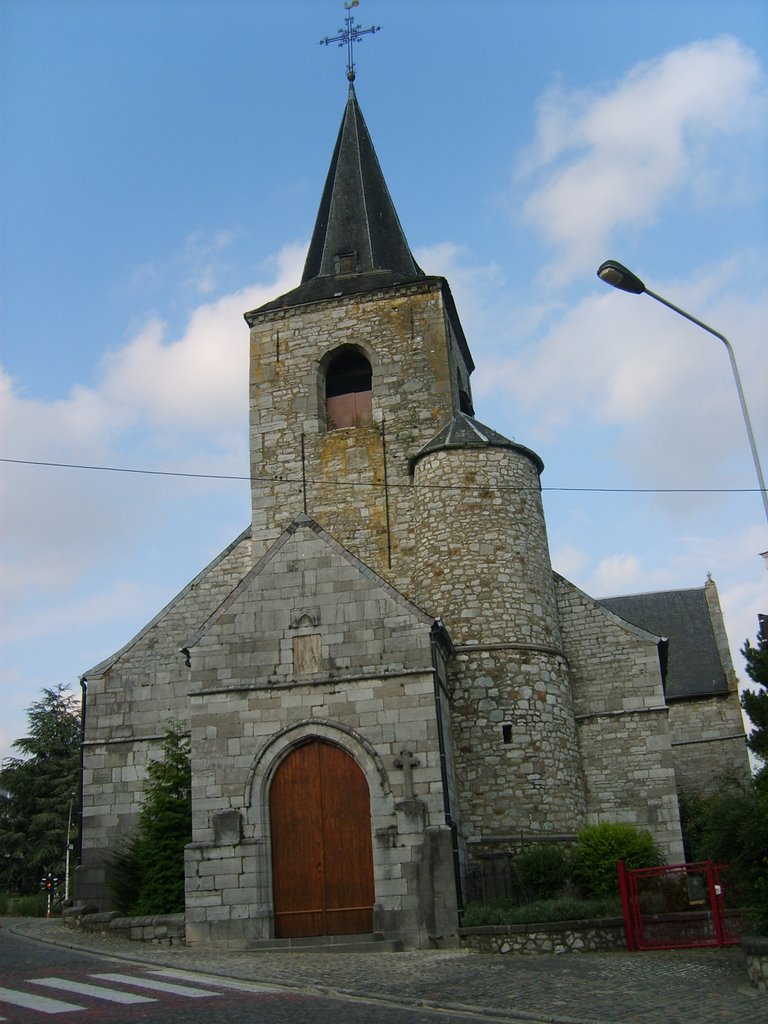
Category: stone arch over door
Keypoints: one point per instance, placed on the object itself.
(382, 822)
(322, 856)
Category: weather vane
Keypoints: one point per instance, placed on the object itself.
(350, 35)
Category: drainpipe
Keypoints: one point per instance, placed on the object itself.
(83, 706)
(439, 630)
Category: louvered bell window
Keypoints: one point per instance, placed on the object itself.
(348, 395)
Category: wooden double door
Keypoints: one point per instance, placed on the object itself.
(322, 859)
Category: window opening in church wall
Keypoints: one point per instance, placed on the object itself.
(307, 653)
(348, 391)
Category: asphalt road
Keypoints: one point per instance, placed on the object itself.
(40, 981)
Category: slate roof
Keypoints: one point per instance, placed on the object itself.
(357, 216)
(464, 431)
(682, 616)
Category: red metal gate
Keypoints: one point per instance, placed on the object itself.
(677, 906)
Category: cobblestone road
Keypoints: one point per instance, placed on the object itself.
(676, 987)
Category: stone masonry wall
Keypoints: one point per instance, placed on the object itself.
(517, 755)
(371, 691)
(404, 333)
(624, 732)
(708, 735)
(483, 561)
(708, 742)
(482, 556)
(131, 699)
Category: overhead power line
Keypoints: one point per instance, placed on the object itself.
(366, 483)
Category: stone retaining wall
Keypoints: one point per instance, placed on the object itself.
(164, 929)
(596, 936)
(756, 950)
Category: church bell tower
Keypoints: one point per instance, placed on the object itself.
(361, 417)
(353, 371)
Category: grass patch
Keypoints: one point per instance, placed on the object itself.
(33, 905)
(539, 912)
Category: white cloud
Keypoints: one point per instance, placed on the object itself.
(617, 574)
(87, 557)
(660, 389)
(471, 284)
(174, 404)
(201, 378)
(193, 269)
(569, 561)
(603, 162)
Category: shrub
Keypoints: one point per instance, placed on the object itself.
(124, 876)
(600, 847)
(147, 874)
(730, 827)
(500, 912)
(30, 905)
(541, 871)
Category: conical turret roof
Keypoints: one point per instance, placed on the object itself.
(464, 432)
(358, 243)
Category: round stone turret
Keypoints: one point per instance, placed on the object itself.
(483, 561)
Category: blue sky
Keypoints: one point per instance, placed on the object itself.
(162, 166)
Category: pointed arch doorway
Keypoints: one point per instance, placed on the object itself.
(322, 858)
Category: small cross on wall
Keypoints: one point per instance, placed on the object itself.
(407, 762)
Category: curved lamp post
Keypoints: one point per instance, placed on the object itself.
(618, 276)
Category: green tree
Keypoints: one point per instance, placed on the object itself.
(148, 873)
(755, 702)
(541, 871)
(731, 828)
(601, 847)
(41, 790)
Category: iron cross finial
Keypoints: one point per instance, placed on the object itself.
(350, 35)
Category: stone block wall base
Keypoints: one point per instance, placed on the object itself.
(597, 936)
(756, 950)
(164, 929)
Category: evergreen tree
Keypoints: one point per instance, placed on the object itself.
(41, 790)
(148, 874)
(755, 702)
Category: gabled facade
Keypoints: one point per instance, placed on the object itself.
(383, 679)
(700, 685)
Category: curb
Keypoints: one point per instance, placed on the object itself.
(16, 927)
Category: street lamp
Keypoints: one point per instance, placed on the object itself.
(618, 276)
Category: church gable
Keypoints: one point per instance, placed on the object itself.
(309, 609)
(621, 718)
(130, 699)
(136, 692)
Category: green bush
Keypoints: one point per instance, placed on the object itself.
(147, 874)
(500, 912)
(730, 826)
(599, 849)
(31, 905)
(541, 871)
(124, 876)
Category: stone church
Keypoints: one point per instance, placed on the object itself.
(383, 679)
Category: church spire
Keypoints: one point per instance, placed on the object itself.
(357, 229)
(358, 243)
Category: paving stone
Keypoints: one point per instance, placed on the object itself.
(697, 986)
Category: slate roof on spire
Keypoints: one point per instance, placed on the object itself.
(358, 243)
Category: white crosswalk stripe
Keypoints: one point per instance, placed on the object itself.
(32, 1001)
(160, 982)
(156, 986)
(80, 988)
(256, 987)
